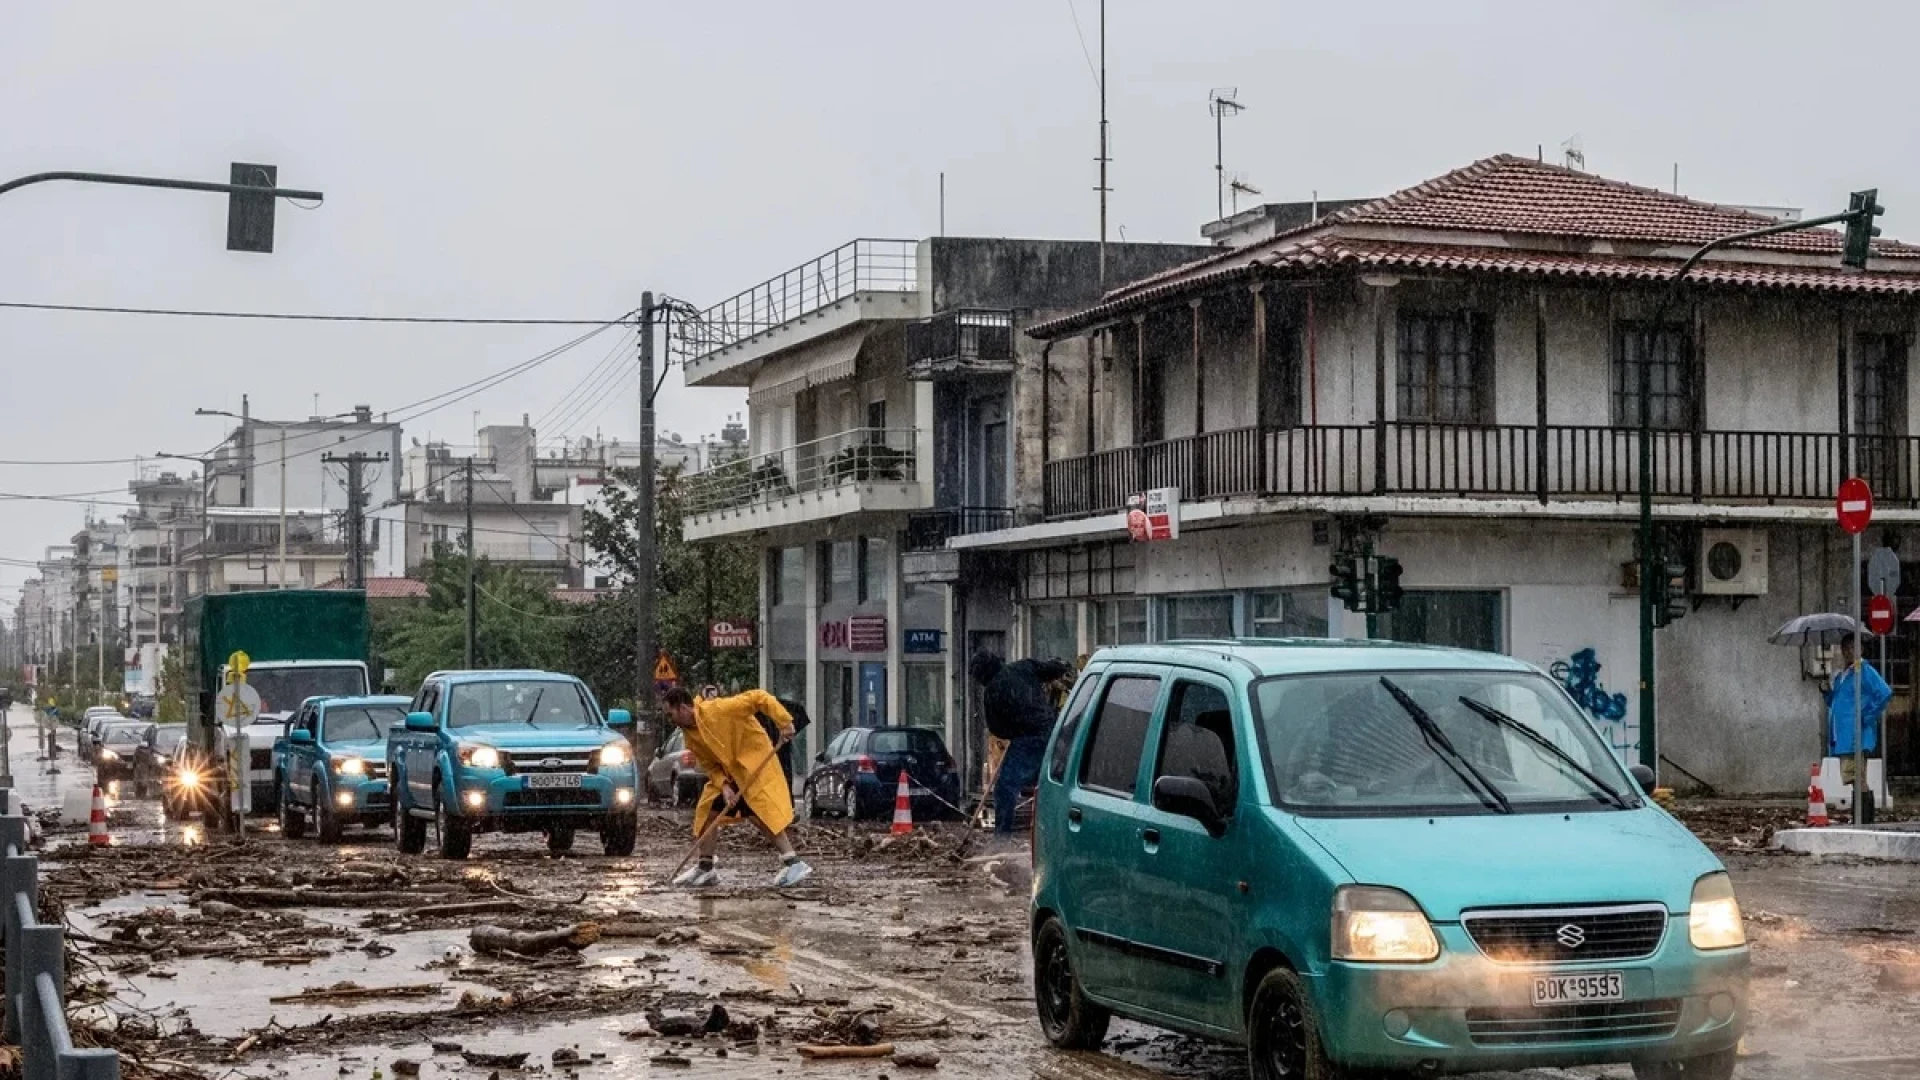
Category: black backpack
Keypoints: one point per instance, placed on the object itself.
(795, 710)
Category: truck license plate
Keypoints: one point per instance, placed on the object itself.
(1578, 989)
(554, 780)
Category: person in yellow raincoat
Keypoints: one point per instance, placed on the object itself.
(726, 738)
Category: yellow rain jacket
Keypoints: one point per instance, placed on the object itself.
(729, 743)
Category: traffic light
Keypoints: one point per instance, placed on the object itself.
(250, 216)
(1386, 588)
(1346, 581)
(1670, 601)
(1864, 206)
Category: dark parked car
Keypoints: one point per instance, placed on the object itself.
(858, 774)
(155, 754)
(674, 777)
(119, 744)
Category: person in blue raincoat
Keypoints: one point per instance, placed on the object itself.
(1854, 677)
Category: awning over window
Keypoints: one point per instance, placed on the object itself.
(784, 377)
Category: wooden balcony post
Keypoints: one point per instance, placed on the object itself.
(1199, 406)
(1380, 286)
(1093, 376)
(1139, 402)
(1697, 371)
(1540, 392)
(1259, 387)
(1046, 425)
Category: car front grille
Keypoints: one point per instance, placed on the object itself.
(570, 760)
(1568, 935)
(551, 797)
(1574, 1023)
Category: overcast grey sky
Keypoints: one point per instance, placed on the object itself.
(556, 158)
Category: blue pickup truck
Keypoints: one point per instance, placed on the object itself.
(511, 751)
(331, 765)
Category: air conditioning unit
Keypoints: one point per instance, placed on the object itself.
(1733, 562)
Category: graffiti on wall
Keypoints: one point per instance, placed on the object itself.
(1580, 674)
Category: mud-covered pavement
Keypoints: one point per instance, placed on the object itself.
(184, 943)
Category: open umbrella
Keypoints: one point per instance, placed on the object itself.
(1825, 628)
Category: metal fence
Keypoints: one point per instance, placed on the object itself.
(860, 456)
(854, 267)
(36, 968)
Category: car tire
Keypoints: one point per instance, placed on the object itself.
(1715, 1066)
(1283, 1032)
(813, 802)
(456, 840)
(293, 823)
(1067, 1018)
(409, 832)
(619, 837)
(850, 803)
(560, 840)
(326, 823)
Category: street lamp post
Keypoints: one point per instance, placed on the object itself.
(249, 205)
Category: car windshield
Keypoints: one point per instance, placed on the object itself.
(1351, 743)
(283, 689)
(904, 741)
(361, 723)
(123, 735)
(539, 702)
(166, 735)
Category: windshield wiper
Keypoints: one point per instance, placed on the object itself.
(1496, 716)
(536, 707)
(1443, 749)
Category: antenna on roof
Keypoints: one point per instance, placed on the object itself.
(1676, 178)
(1221, 104)
(1239, 187)
(1576, 155)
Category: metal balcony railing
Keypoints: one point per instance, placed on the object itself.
(966, 341)
(854, 267)
(1507, 460)
(859, 456)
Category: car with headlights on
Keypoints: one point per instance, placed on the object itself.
(116, 749)
(331, 766)
(511, 751)
(1356, 856)
(154, 754)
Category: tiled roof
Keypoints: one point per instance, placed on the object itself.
(387, 588)
(1504, 200)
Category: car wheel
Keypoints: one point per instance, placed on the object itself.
(1717, 1066)
(1283, 1032)
(409, 832)
(559, 840)
(850, 803)
(618, 838)
(1067, 1018)
(456, 840)
(813, 802)
(293, 823)
(325, 822)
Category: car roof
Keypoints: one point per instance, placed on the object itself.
(362, 699)
(520, 675)
(1263, 657)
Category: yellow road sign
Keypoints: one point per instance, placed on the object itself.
(664, 671)
(109, 574)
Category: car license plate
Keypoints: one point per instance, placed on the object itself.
(1578, 989)
(554, 780)
(918, 792)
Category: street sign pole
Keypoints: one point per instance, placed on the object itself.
(1853, 506)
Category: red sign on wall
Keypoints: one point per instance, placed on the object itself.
(867, 634)
(730, 633)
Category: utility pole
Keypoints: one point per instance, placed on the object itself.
(356, 462)
(283, 504)
(646, 559)
(1103, 145)
(473, 610)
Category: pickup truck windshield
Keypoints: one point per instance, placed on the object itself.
(1345, 744)
(360, 723)
(539, 702)
(283, 689)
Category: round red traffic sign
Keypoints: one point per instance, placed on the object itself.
(1853, 505)
(1880, 615)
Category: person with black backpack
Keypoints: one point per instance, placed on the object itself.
(800, 722)
(1020, 710)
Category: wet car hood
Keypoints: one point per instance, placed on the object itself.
(1453, 863)
(373, 750)
(515, 736)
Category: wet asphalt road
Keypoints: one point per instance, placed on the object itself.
(1826, 937)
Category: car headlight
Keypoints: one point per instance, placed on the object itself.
(1381, 926)
(350, 766)
(162, 759)
(615, 754)
(1713, 919)
(108, 755)
(189, 778)
(481, 757)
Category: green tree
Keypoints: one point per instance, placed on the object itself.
(170, 699)
(519, 623)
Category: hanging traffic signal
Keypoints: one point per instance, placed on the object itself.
(1670, 602)
(1864, 206)
(1386, 589)
(1346, 580)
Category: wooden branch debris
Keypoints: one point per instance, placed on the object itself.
(828, 1053)
(499, 941)
(348, 991)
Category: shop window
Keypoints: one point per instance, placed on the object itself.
(1051, 631)
(1120, 622)
(1461, 619)
(1285, 613)
(787, 576)
(1194, 617)
(926, 695)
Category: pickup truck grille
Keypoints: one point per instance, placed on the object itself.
(1568, 935)
(551, 797)
(570, 760)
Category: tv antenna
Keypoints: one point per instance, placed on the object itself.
(1238, 187)
(1576, 154)
(1222, 104)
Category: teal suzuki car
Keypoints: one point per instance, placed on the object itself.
(331, 765)
(511, 751)
(1350, 856)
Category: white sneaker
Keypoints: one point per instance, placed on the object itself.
(792, 874)
(696, 878)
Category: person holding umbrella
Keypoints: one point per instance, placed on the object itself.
(1855, 677)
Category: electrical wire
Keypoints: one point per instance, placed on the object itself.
(291, 316)
(482, 590)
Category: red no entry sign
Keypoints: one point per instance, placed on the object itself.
(1853, 505)
(1880, 615)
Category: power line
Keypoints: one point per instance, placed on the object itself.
(291, 316)
(482, 590)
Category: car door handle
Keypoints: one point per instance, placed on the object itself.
(1073, 818)
(1150, 839)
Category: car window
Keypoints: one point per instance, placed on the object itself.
(1197, 741)
(841, 744)
(361, 723)
(1070, 726)
(1119, 734)
(905, 741)
(538, 702)
(429, 700)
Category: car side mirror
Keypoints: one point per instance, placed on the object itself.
(1188, 797)
(301, 737)
(421, 721)
(1642, 776)
(620, 720)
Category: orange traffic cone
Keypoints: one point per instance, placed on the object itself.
(1816, 802)
(97, 820)
(902, 808)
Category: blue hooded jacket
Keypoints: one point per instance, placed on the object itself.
(1840, 710)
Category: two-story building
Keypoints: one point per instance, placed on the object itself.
(882, 419)
(1460, 362)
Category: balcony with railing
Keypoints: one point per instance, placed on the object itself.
(955, 344)
(1555, 463)
(850, 472)
(859, 280)
(930, 530)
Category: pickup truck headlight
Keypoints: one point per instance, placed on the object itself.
(615, 754)
(350, 766)
(1381, 926)
(108, 755)
(1713, 919)
(480, 757)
